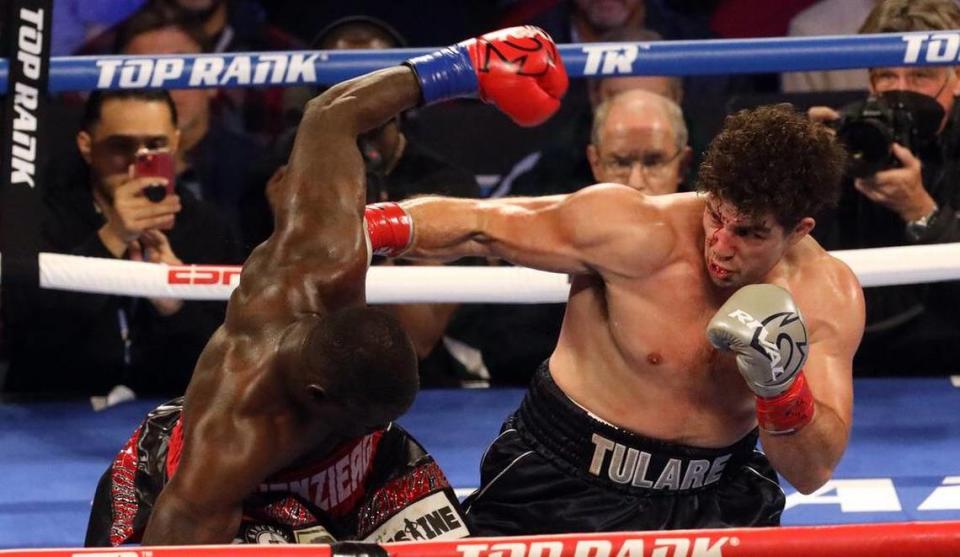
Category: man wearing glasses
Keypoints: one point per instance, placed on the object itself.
(912, 201)
(639, 139)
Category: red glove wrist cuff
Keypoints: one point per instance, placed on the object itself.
(390, 228)
(789, 411)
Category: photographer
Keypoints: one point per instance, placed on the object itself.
(904, 189)
(128, 208)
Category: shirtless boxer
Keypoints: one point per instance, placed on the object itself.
(639, 420)
(302, 378)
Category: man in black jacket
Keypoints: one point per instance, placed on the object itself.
(911, 329)
(70, 342)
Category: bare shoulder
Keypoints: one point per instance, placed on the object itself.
(237, 392)
(828, 292)
(619, 199)
(632, 233)
(835, 280)
(624, 208)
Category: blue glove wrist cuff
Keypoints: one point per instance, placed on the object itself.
(445, 74)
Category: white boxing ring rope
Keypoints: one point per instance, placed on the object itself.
(449, 284)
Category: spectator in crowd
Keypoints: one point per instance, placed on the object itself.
(87, 343)
(214, 163)
(571, 21)
(605, 88)
(913, 200)
(232, 26)
(562, 166)
(241, 26)
(639, 139)
(828, 17)
(76, 21)
(741, 19)
(416, 20)
(577, 21)
(574, 21)
(641, 114)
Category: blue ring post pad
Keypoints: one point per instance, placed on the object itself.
(445, 74)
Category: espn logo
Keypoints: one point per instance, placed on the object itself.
(228, 275)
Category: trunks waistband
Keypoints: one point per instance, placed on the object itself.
(618, 458)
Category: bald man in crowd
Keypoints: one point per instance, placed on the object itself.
(639, 139)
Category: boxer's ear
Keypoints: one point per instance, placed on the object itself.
(318, 393)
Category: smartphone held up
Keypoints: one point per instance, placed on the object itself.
(156, 163)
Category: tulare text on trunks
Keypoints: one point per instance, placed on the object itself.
(208, 70)
(630, 466)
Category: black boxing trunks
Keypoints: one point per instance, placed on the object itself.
(555, 468)
(378, 488)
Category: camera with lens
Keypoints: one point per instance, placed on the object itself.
(868, 128)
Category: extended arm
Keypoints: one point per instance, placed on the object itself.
(527, 231)
(318, 204)
(600, 228)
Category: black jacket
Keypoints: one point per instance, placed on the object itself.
(911, 329)
(78, 343)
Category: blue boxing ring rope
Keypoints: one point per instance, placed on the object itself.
(270, 69)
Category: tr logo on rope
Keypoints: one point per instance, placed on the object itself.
(936, 47)
(611, 59)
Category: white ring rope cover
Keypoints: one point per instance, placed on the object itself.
(421, 284)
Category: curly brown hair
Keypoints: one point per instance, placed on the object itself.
(773, 159)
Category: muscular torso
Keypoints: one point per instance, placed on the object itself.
(243, 379)
(633, 349)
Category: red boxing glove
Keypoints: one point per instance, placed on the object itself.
(517, 69)
(789, 411)
(389, 229)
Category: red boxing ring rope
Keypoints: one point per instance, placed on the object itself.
(902, 539)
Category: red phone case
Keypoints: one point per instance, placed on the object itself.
(155, 164)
